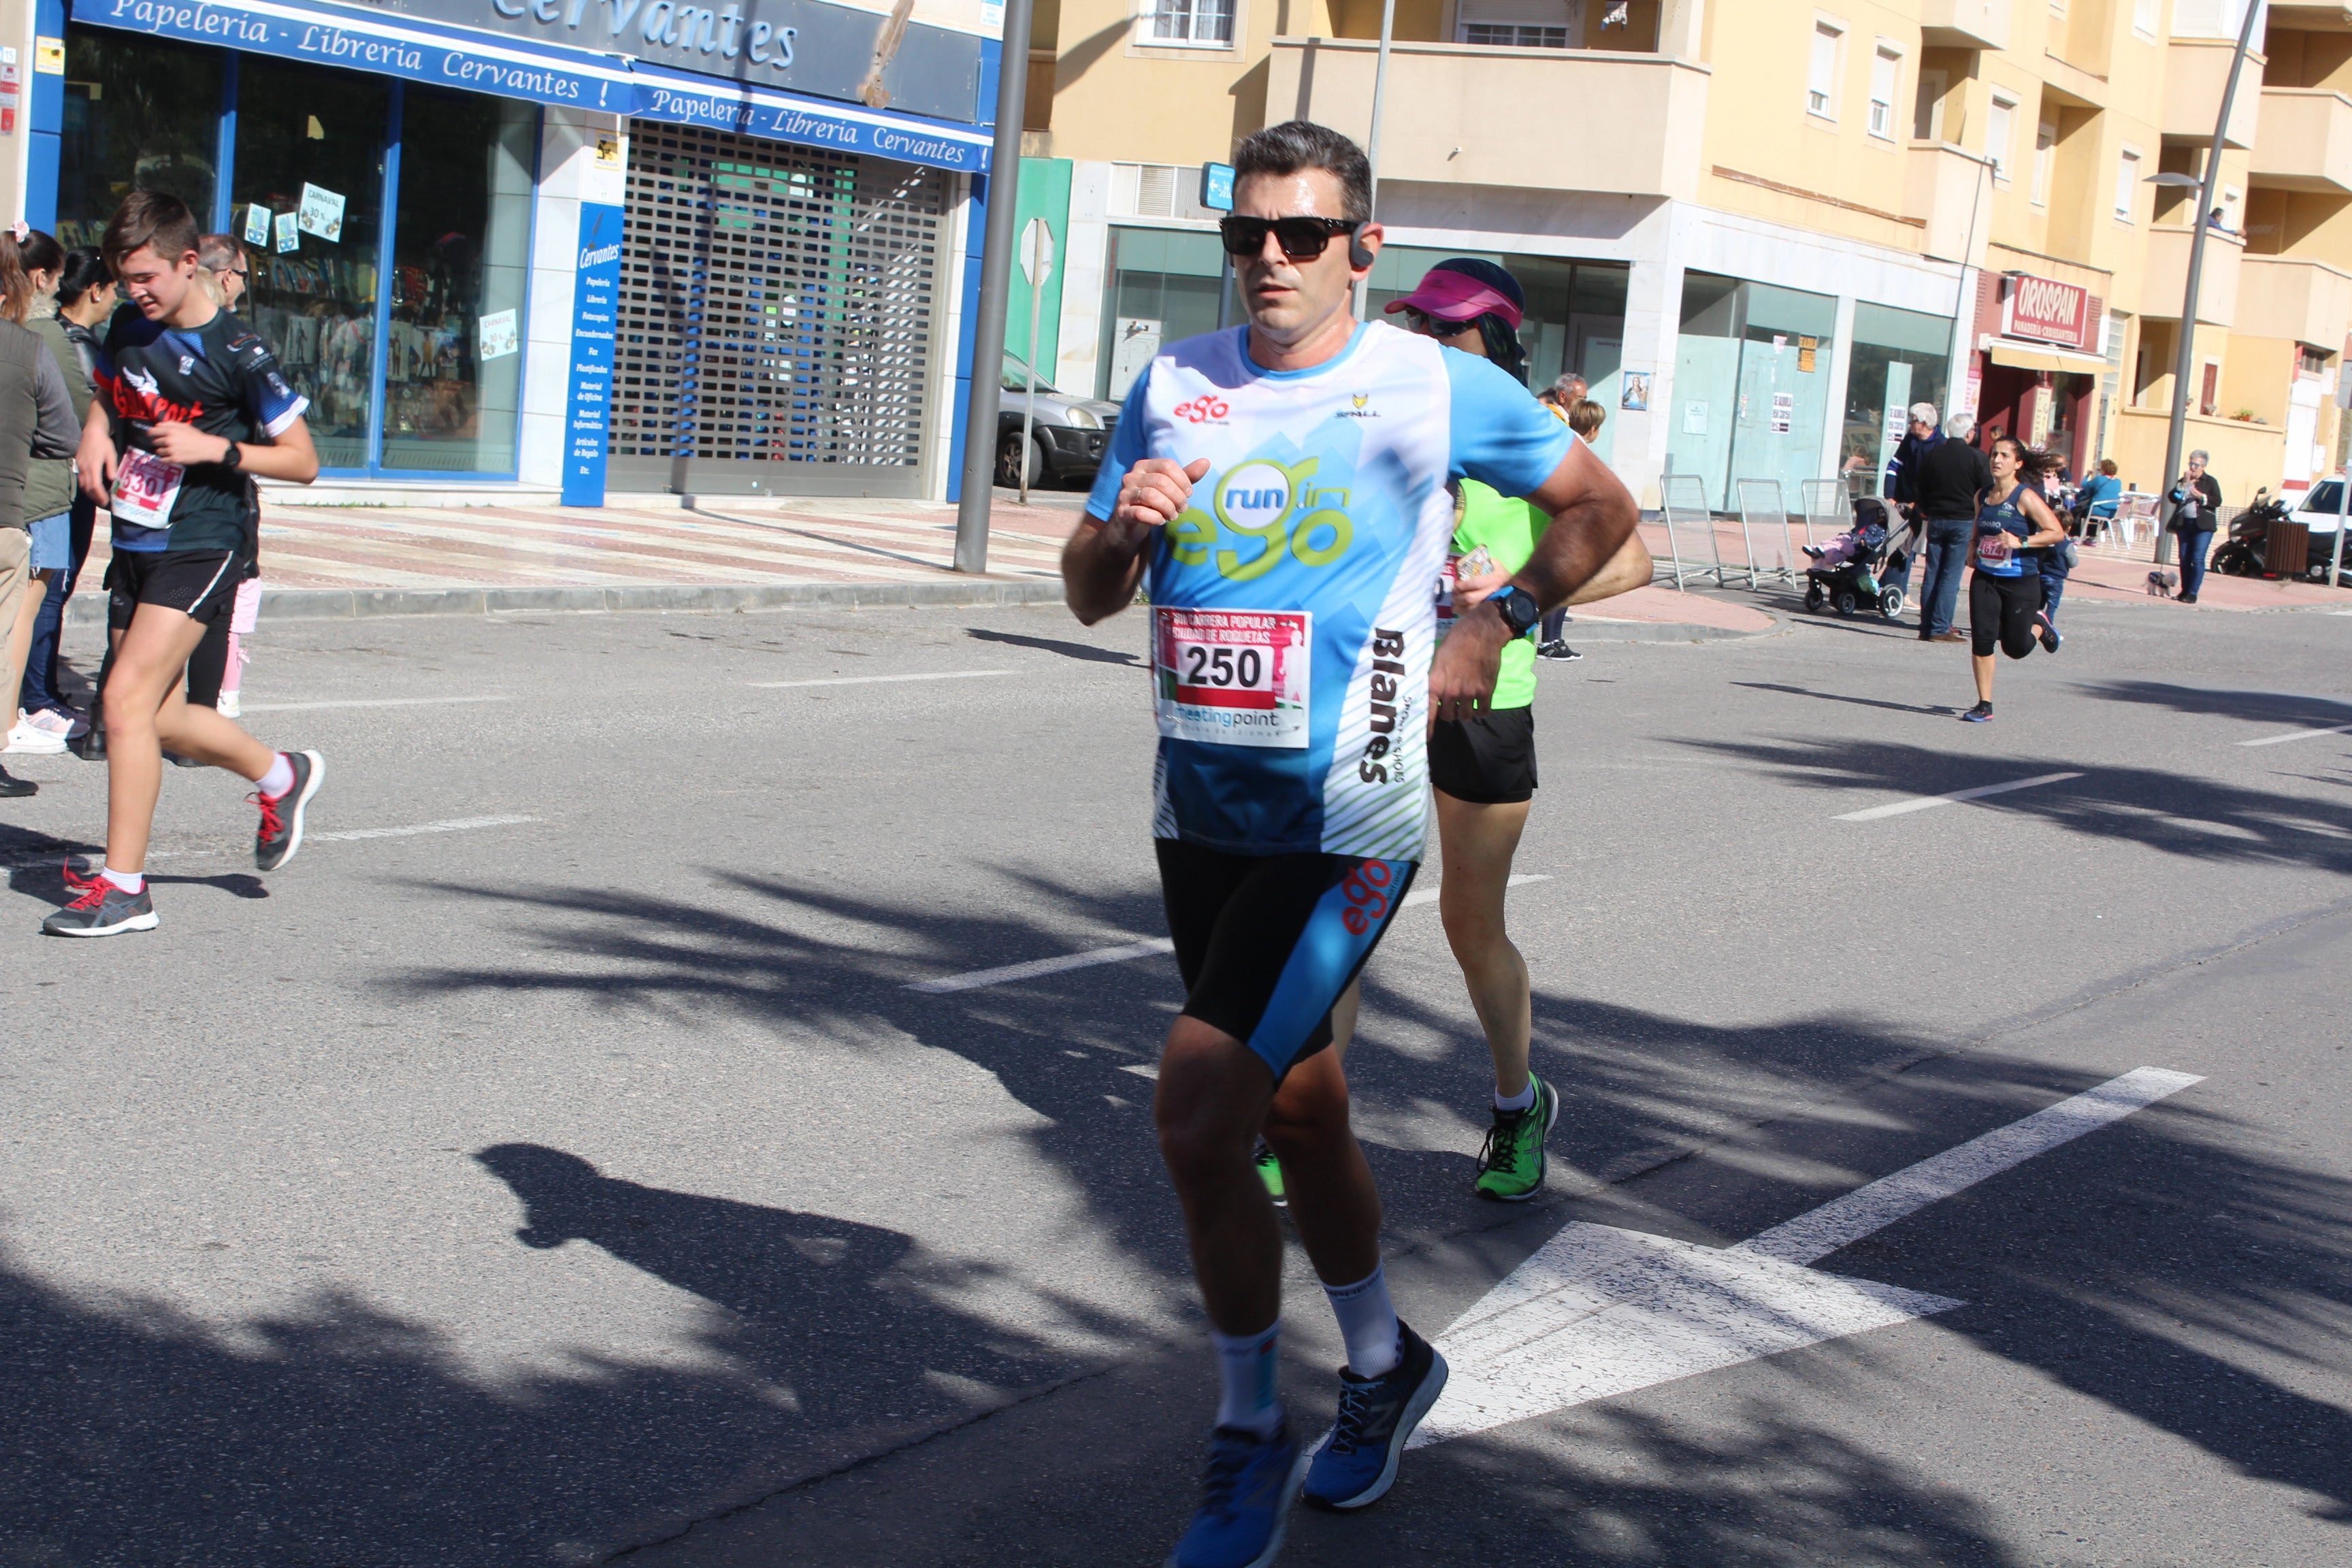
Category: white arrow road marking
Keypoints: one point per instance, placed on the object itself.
(972, 979)
(1929, 802)
(2299, 734)
(1598, 1312)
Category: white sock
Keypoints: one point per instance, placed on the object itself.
(1245, 1365)
(1368, 1323)
(129, 881)
(278, 779)
(1520, 1100)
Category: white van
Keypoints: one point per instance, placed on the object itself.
(2316, 509)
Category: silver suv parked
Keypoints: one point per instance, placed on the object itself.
(1067, 440)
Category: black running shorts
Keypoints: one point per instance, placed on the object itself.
(199, 583)
(1488, 758)
(1266, 943)
(2001, 612)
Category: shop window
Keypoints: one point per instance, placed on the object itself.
(1899, 358)
(1751, 384)
(461, 253)
(141, 114)
(1163, 285)
(1190, 21)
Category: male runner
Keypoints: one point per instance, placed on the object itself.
(1283, 485)
(189, 403)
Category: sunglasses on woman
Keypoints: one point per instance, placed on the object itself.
(1301, 238)
(1430, 326)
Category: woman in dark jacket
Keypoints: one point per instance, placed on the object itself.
(2196, 499)
(80, 284)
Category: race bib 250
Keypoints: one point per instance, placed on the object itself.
(1233, 678)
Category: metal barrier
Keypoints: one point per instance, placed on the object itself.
(1828, 507)
(1681, 498)
(1762, 506)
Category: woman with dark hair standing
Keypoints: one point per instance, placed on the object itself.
(2005, 592)
(35, 420)
(67, 285)
(28, 279)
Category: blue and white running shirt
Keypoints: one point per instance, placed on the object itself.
(1293, 604)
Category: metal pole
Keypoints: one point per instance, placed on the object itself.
(1372, 143)
(1036, 306)
(995, 275)
(2176, 436)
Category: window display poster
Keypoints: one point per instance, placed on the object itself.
(1897, 418)
(498, 334)
(1784, 412)
(1637, 397)
(256, 225)
(595, 306)
(1135, 342)
(321, 211)
(288, 238)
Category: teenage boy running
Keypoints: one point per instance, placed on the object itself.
(1283, 487)
(189, 403)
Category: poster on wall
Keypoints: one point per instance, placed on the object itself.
(256, 225)
(1637, 392)
(289, 237)
(1694, 418)
(1134, 343)
(1784, 413)
(1898, 416)
(321, 211)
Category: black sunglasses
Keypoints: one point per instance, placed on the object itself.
(1301, 238)
(1422, 321)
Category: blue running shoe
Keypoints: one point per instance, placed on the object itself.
(1356, 1463)
(1245, 1500)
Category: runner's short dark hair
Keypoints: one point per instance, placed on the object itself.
(1297, 144)
(156, 219)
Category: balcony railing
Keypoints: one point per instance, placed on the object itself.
(1466, 114)
(1950, 190)
(2195, 72)
(2305, 142)
(2163, 283)
(2289, 296)
(1965, 24)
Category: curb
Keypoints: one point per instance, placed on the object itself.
(1584, 628)
(351, 604)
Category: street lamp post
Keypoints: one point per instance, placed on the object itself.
(995, 283)
(2185, 358)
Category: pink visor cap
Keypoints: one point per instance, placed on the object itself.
(1455, 297)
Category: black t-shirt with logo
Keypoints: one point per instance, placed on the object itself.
(219, 377)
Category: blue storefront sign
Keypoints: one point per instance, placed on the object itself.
(595, 308)
(428, 51)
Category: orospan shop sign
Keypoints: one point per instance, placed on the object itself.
(804, 46)
(2046, 310)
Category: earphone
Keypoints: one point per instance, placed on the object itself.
(1359, 252)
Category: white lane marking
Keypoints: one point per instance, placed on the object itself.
(975, 978)
(2300, 734)
(1929, 802)
(365, 702)
(874, 679)
(1035, 967)
(455, 824)
(1598, 1312)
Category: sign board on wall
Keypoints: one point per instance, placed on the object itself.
(872, 57)
(595, 309)
(2046, 310)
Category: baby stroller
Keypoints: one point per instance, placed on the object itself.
(1859, 566)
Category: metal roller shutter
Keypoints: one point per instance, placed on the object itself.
(780, 318)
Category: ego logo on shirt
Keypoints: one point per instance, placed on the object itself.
(1365, 888)
(1201, 409)
(1260, 514)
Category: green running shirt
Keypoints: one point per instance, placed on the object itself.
(1508, 529)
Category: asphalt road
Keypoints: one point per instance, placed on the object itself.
(553, 1164)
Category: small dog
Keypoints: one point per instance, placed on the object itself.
(2161, 583)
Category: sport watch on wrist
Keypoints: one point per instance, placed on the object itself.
(233, 458)
(1519, 608)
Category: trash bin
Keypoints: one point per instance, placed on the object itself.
(2287, 552)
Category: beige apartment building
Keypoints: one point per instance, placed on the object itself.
(1762, 227)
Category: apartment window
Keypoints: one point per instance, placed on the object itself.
(2045, 141)
(1197, 22)
(1928, 107)
(2127, 182)
(1885, 65)
(2311, 361)
(1999, 130)
(2208, 397)
(1821, 82)
(1521, 24)
(2145, 14)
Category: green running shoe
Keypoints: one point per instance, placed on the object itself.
(1269, 1171)
(1511, 1164)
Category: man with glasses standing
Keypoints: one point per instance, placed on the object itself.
(1281, 489)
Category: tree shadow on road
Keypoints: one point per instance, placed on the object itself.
(2176, 813)
(2284, 708)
